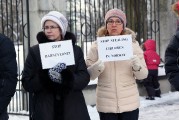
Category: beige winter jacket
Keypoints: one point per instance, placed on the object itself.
(116, 88)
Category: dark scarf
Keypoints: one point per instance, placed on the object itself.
(42, 38)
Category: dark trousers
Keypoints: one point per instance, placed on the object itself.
(132, 115)
(151, 83)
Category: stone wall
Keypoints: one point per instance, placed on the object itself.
(168, 24)
(37, 9)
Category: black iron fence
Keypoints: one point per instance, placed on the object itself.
(85, 17)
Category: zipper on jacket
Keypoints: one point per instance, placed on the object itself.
(116, 87)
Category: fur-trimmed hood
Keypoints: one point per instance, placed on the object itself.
(103, 32)
(42, 38)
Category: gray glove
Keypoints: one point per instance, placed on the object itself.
(136, 64)
(55, 72)
(96, 69)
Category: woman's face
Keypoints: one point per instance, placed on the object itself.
(52, 30)
(114, 26)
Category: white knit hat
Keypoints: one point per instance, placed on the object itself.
(58, 18)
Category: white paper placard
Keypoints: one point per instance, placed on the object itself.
(114, 48)
(54, 52)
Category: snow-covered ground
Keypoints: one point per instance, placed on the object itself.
(164, 108)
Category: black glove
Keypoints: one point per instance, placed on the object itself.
(55, 72)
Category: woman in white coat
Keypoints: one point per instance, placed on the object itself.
(117, 93)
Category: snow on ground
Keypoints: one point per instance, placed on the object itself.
(164, 108)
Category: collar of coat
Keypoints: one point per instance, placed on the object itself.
(103, 32)
(42, 38)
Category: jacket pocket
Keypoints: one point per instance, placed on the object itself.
(128, 84)
(104, 85)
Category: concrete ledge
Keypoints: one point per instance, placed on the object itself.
(164, 86)
(90, 94)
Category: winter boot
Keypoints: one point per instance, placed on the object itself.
(150, 98)
(157, 92)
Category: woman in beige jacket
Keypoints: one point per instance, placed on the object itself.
(117, 93)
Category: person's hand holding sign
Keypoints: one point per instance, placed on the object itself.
(62, 75)
(136, 65)
(55, 72)
(96, 69)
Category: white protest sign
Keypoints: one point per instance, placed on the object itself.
(114, 48)
(54, 52)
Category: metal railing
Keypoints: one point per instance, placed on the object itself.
(85, 17)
